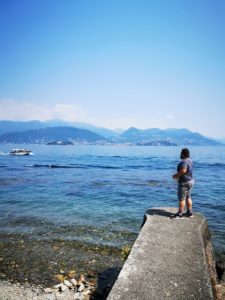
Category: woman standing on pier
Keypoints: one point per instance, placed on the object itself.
(185, 184)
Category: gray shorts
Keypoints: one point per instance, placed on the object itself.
(184, 190)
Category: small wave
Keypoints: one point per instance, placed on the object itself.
(47, 166)
(4, 153)
(70, 167)
(146, 167)
(91, 166)
(210, 165)
(112, 156)
(218, 165)
(8, 153)
(101, 167)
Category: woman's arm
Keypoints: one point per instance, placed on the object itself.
(180, 173)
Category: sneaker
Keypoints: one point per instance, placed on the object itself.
(188, 214)
(177, 216)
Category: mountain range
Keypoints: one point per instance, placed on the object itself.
(50, 134)
(11, 126)
(57, 130)
(173, 136)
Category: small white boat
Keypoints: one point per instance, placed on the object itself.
(20, 152)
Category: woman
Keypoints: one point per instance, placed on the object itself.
(185, 183)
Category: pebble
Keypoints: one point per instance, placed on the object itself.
(74, 282)
(71, 274)
(60, 277)
(76, 296)
(57, 286)
(8, 291)
(63, 287)
(86, 292)
(78, 290)
(81, 280)
(80, 297)
(48, 290)
(66, 290)
(68, 284)
(81, 287)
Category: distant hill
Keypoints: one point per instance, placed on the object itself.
(46, 135)
(220, 140)
(107, 133)
(173, 136)
(55, 130)
(12, 126)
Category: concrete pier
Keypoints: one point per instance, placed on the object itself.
(167, 261)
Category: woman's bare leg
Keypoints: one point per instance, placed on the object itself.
(181, 206)
(189, 204)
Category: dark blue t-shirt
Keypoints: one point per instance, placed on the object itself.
(186, 164)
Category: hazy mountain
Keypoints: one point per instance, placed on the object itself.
(173, 136)
(36, 131)
(45, 135)
(11, 126)
(107, 133)
(220, 140)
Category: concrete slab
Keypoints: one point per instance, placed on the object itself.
(167, 261)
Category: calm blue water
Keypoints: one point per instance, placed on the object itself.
(103, 190)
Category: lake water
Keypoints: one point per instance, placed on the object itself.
(92, 199)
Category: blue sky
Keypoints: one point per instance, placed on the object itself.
(115, 63)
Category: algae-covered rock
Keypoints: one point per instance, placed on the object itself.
(60, 277)
(71, 274)
(125, 252)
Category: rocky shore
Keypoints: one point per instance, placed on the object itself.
(68, 289)
(70, 286)
(50, 268)
(43, 264)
